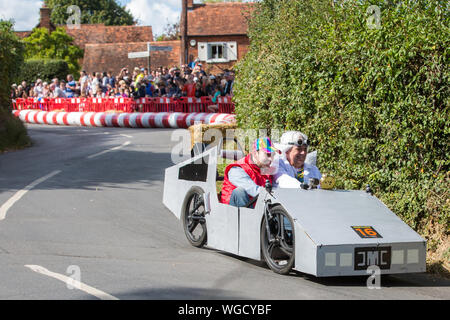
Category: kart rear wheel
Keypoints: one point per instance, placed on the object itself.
(278, 249)
(193, 217)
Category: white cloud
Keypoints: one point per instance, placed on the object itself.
(155, 13)
(25, 13)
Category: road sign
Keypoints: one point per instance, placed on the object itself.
(160, 48)
(140, 54)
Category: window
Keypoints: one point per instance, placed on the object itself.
(216, 52)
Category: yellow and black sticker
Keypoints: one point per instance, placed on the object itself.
(366, 232)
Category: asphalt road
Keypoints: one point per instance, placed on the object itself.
(99, 218)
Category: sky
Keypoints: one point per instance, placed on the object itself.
(155, 13)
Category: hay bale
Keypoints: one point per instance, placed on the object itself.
(197, 132)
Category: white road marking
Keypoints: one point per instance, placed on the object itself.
(74, 283)
(125, 135)
(109, 150)
(19, 194)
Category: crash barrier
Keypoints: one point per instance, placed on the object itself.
(123, 119)
(183, 104)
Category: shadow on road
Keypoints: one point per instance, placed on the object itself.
(387, 281)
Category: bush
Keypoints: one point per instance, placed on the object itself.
(374, 101)
(13, 134)
(11, 57)
(43, 69)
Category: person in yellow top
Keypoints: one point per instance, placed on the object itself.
(139, 76)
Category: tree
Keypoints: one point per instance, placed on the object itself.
(41, 44)
(171, 32)
(13, 133)
(11, 58)
(108, 12)
(216, 1)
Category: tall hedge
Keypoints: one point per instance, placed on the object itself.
(13, 133)
(12, 51)
(43, 69)
(373, 98)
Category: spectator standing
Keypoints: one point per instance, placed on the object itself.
(38, 89)
(111, 79)
(104, 83)
(21, 93)
(84, 79)
(56, 91)
(26, 87)
(96, 84)
(211, 85)
(14, 91)
(46, 93)
(189, 87)
(71, 86)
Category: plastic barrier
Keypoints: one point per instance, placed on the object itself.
(225, 105)
(121, 104)
(124, 119)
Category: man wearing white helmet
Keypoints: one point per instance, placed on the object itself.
(293, 171)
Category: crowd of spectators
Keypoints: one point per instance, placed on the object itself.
(188, 81)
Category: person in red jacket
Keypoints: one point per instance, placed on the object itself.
(244, 178)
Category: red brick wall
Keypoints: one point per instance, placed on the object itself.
(166, 58)
(114, 56)
(243, 44)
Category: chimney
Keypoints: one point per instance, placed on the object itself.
(45, 18)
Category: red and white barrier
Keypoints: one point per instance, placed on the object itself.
(130, 120)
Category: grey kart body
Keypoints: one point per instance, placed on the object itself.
(325, 242)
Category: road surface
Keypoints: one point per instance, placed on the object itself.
(82, 218)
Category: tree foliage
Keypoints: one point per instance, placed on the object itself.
(43, 69)
(171, 32)
(41, 44)
(108, 12)
(12, 132)
(11, 57)
(216, 1)
(373, 99)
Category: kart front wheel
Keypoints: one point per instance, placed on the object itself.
(277, 241)
(193, 217)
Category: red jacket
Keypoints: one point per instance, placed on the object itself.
(251, 169)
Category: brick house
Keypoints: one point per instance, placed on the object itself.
(106, 48)
(216, 33)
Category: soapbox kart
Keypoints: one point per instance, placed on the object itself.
(319, 232)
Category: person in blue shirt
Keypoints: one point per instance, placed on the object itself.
(149, 88)
(71, 86)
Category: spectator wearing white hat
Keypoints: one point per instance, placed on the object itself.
(293, 168)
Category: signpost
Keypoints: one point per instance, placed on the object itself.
(147, 54)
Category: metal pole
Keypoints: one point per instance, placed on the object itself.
(149, 57)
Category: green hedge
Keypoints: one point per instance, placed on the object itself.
(374, 101)
(13, 133)
(43, 69)
(11, 57)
